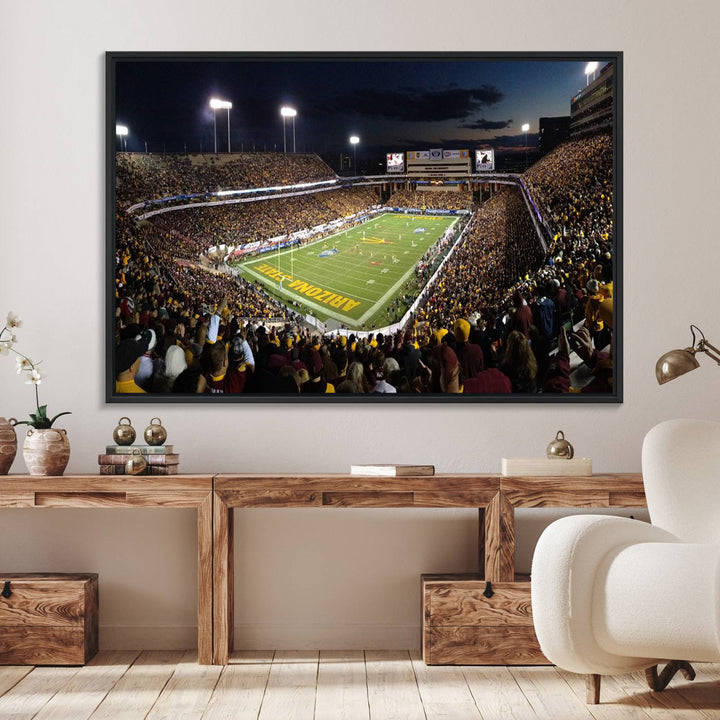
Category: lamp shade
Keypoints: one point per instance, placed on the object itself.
(675, 363)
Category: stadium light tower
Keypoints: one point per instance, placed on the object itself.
(354, 140)
(122, 132)
(525, 129)
(590, 69)
(216, 104)
(287, 112)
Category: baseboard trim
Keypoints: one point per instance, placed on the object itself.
(327, 637)
(150, 637)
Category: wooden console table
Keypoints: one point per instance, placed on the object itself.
(495, 497)
(215, 498)
(126, 491)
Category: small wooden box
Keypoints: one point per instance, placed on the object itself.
(48, 618)
(461, 626)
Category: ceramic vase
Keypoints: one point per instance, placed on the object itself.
(8, 444)
(46, 451)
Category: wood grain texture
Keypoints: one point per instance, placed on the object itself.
(49, 619)
(166, 498)
(241, 688)
(503, 645)
(290, 691)
(188, 691)
(392, 688)
(87, 688)
(14, 484)
(497, 694)
(28, 645)
(341, 687)
(79, 499)
(205, 580)
(453, 498)
(593, 491)
(91, 491)
(615, 703)
(10, 676)
(49, 600)
(239, 694)
(367, 499)
(34, 691)
(463, 603)
(137, 690)
(308, 490)
(17, 499)
(481, 541)
(91, 626)
(499, 540)
(444, 692)
(223, 580)
(548, 694)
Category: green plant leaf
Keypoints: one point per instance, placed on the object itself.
(67, 412)
(42, 411)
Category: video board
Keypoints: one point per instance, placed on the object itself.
(484, 160)
(395, 162)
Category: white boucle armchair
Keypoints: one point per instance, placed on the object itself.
(613, 595)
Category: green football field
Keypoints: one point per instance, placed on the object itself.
(353, 276)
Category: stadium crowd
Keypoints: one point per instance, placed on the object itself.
(242, 223)
(500, 317)
(432, 199)
(142, 177)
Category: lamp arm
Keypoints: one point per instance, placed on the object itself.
(710, 350)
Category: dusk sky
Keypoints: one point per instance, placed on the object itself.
(391, 105)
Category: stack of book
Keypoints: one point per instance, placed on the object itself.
(160, 459)
(392, 470)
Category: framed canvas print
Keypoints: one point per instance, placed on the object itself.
(364, 227)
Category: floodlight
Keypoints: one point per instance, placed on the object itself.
(286, 111)
(121, 130)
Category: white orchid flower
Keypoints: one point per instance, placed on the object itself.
(13, 320)
(5, 347)
(35, 377)
(23, 364)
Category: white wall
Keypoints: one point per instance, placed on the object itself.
(330, 578)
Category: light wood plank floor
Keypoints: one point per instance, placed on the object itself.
(351, 685)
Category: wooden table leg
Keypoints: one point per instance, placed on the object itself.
(223, 581)
(205, 580)
(499, 540)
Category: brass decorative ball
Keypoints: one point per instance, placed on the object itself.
(124, 433)
(136, 463)
(155, 433)
(560, 448)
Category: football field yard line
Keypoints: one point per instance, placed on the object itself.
(323, 310)
(397, 285)
(368, 270)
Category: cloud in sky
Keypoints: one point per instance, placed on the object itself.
(410, 104)
(483, 124)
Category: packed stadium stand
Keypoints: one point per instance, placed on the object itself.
(491, 317)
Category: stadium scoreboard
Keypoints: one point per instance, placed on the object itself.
(484, 160)
(396, 162)
(439, 162)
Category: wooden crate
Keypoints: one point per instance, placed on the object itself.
(461, 626)
(48, 618)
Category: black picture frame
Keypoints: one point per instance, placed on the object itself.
(195, 61)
